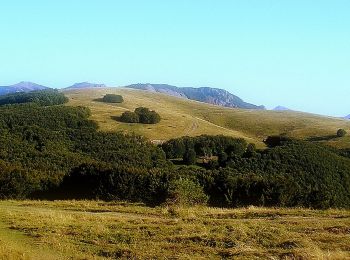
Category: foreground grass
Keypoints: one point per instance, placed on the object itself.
(100, 230)
(181, 117)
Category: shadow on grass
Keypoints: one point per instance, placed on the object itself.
(322, 138)
(345, 152)
(177, 161)
(102, 101)
(117, 118)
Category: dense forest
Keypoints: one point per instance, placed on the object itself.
(47, 97)
(51, 151)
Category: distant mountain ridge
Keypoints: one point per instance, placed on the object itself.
(214, 96)
(281, 108)
(24, 86)
(347, 117)
(81, 85)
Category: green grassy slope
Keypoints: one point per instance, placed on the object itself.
(100, 230)
(185, 117)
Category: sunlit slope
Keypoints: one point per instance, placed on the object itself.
(185, 117)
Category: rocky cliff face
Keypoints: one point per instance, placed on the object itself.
(214, 96)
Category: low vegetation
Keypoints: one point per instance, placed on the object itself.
(130, 117)
(186, 192)
(112, 98)
(341, 133)
(141, 115)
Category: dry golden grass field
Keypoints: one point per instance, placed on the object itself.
(99, 230)
(182, 117)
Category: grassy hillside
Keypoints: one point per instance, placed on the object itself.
(184, 117)
(100, 230)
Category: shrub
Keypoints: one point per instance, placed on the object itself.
(141, 115)
(153, 118)
(185, 192)
(147, 116)
(130, 117)
(276, 140)
(112, 98)
(341, 133)
(142, 110)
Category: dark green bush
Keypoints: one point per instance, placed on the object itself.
(186, 192)
(141, 115)
(147, 116)
(276, 140)
(113, 98)
(130, 117)
(341, 133)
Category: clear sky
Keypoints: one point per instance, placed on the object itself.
(294, 53)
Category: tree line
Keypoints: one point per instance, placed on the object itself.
(48, 97)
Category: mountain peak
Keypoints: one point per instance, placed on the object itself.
(86, 85)
(23, 86)
(281, 108)
(26, 84)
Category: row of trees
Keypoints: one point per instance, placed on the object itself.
(141, 115)
(205, 146)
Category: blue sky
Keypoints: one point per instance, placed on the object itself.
(294, 53)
